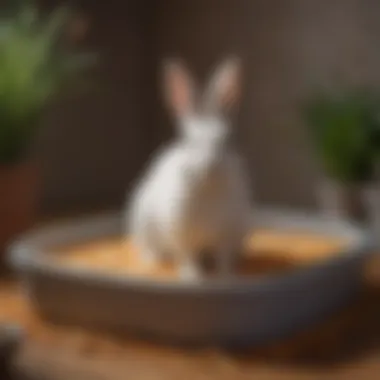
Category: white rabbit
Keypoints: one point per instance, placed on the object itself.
(195, 195)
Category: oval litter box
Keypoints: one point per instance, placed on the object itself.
(240, 311)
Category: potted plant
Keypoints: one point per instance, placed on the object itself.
(341, 129)
(36, 63)
(371, 193)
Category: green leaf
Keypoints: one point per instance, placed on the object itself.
(34, 67)
(343, 128)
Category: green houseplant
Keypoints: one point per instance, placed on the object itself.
(37, 62)
(341, 128)
(371, 193)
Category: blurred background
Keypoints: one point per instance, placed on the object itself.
(93, 146)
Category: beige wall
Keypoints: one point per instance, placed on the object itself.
(95, 146)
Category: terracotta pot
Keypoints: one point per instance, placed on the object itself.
(18, 185)
(342, 201)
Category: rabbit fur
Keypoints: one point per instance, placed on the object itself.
(195, 193)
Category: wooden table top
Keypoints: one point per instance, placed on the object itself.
(345, 347)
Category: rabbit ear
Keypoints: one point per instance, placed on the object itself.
(179, 88)
(224, 88)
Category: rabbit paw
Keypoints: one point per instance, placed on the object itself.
(189, 272)
(149, 258)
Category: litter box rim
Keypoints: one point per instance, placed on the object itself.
(29, 254)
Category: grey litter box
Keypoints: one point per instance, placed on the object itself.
(240, 311)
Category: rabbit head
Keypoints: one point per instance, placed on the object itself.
(202, 117)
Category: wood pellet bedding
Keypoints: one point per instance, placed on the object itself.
(265, 251)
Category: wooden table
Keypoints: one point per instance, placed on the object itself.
(345, 347)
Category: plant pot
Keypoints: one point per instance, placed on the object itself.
(18, 185)
(371, 196)
(342, 201)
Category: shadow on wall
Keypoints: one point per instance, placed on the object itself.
(97, 144)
